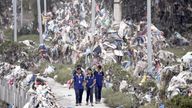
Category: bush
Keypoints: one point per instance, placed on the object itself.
(8, 50)
(107, 92)
(32, 37)
(63, 73)
(117, 99)
(8, 34)
(81, 61)
(150, 105)
(25, 30)
(147, 85)
(117, 75)
(180, 102)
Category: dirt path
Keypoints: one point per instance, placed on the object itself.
(66, 97)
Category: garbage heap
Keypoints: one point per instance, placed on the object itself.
(38, 92)
(70, 38)
(69, 31)
(124, 43)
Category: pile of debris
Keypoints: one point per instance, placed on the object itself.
(69, 30)
(38, 90)
(71, 38)
(180, 84)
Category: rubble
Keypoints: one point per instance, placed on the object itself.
(177, 39)
(40, 93)
(70, 37)
(166, 56)
(179, 83)
(73, 40)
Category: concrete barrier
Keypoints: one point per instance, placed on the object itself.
(13, 95)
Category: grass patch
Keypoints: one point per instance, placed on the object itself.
(180, 102)
(150, 105)
(42, 67)
(180, 51)
(118, 99)
(8, 34)
(149, 84)
(106, 92)
(63, 73)
(117, 74)
(32, 37)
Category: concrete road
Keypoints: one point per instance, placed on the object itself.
(66, 98)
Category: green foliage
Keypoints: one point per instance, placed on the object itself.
(107, 92)
(63, 73)
(180, 51)
(3, 6)
(35, 14)
(118, 74)
(8, 49)
(9, 46)
(8, 34)
(81, 61)
(42, 67)
(162, 93)
(150, 105)
(116, 99)
(149, 84)
(117, 71)
(32, 37)
(180, 102)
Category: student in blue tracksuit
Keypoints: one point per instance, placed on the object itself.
(78, 80)
(99, 75)
(90, 83)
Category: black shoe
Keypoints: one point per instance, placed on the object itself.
(99, 101)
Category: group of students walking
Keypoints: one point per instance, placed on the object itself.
(92, 81)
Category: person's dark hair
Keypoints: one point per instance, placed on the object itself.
(89, 69)
(78, 68)
(99, 67)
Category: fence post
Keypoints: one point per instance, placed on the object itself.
(7, 93)
(3, 93)
(14, 96)
(1, 90)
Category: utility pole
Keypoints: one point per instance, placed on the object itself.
(45, 12)
(93, 16)
(21, 13)
(117, 14)
(15, 19)
(39, 22)
(149, 45)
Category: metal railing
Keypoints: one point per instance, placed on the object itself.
(13, 95)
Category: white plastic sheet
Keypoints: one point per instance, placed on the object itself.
(49, 70)
(84, 23)
(187, 57)
(122, 26)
